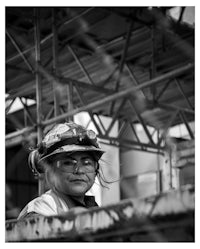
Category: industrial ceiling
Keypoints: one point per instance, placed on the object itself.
(134, 64)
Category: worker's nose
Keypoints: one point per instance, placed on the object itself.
(78, 169)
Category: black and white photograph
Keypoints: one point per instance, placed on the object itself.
(99, 123)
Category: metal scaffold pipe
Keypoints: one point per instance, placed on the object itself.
(38, 81)
(55, 61)
(158, 80)
(38, 90)
(20, 132)
(126, 92)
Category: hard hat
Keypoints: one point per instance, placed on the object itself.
(65, 138)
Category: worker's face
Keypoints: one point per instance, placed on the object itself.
(76, 173)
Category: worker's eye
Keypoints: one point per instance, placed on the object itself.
(69, 162)
(88, 162)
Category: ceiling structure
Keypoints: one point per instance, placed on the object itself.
(134, 64)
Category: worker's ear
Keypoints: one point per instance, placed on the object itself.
(33, 159)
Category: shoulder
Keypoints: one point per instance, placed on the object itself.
(43, 205)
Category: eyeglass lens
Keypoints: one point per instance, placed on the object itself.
(70, 165)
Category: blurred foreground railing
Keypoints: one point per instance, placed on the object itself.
(167, 217)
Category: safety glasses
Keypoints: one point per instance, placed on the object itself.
(71, 165)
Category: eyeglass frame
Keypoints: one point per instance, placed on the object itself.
(58, 161)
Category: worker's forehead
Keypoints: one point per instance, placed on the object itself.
(78, 154)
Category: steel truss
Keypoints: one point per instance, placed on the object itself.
(74, 87)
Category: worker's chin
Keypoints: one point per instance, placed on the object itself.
(78, 190)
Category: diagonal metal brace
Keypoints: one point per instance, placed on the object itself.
(183, 117)
(116, 115)
(19, 51)
(141, 121)
(83, 101)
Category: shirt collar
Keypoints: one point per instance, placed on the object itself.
(89, 201)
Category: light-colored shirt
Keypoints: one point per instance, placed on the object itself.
(51, 203)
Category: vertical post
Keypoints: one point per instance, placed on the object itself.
(159, 172)
(70, 99)
(159, 177)
(25, 115)
(122, 61)
(153, 69)
(170, 168)
(55, 62)
(38, 91)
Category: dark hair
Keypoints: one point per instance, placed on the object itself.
(101, 177)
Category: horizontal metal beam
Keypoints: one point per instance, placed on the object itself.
(87, 86)
(20, 132)
(18, 138)
(161, 218)
(118, 141)
(126, 92)
(157, 80)
(14, 140)
(61, 80)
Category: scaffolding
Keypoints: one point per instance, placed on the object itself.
(134, 65)
(71, 62)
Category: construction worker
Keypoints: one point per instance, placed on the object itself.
(69, 158)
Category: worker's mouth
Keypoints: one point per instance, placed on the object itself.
(77, 180)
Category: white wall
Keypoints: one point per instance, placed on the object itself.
(139, 162)
(145, 164)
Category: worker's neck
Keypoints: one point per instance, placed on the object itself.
(80, 198)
